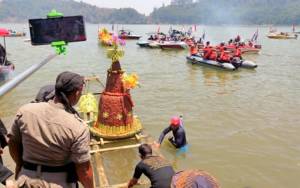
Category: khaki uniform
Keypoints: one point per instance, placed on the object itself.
(50, 136)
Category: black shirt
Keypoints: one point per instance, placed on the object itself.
(157, 169)
(179, 136)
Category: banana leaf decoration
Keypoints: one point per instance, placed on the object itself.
(88, 103)
(115, 53)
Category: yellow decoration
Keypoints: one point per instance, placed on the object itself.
(117, 132)
(130, 81)
(88, 103)
(105, 115)
(119, 116)
(104, 36)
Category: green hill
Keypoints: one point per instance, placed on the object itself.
(179, 12)
(229, 12)
(22, 10)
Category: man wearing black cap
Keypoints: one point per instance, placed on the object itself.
(48, 139)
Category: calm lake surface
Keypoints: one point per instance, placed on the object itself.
(242, 127)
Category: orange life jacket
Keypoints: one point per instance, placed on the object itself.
(207, 52)
(213, 55)
(238, 52)
(193, 50)
(225, 57)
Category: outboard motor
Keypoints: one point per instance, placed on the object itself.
(236, 62)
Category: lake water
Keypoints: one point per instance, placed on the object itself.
(242, 127)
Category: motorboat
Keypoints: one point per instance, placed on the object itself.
(237, 63)
(282, 35)
(179, 45)
(148, 44)
(201, 61)
(125, 34)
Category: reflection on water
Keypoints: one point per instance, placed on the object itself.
(245, 122)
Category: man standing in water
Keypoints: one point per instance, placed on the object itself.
(178, 140)
(156, 168)
(49, 142)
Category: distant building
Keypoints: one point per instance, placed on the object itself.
(181, 2)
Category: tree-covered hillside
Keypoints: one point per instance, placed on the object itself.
(179, 12)
(22, 10)
(229, 12)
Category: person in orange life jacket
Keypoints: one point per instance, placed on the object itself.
(194, 50)
(225, 57)
(213, 55)
(207, 50)
(238, 52)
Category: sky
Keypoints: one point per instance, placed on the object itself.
(142, 6)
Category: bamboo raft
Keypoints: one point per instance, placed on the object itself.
(101, 146)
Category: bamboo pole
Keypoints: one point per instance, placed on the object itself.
(115, 148)
(116, 141)
(103, 181)
(22, 76)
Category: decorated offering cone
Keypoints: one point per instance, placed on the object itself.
(115, 118)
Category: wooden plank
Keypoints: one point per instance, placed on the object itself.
(115, 148)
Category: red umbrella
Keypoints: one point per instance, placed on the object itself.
(3, 32)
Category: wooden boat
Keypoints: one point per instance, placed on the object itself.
(125, 34)
(282, 35)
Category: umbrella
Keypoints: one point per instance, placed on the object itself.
(3, 32)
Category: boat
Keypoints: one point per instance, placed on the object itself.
(13, 33)
(125, 34)
(246, 49)
(228, 66)
(200, 60)
(6, 72)
(173, 45)
(282, 35)
(148, 44)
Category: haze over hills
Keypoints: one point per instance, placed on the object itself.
(178, 12)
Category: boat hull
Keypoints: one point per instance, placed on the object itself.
(175, 45)
(228, 66)
(199, 60)
(272, 36)
(130, 37)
